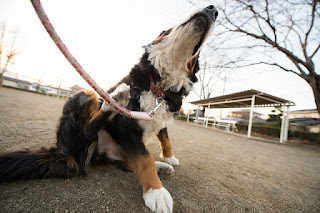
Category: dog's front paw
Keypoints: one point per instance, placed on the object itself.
(164, 168)
(172, 160)
(158, 200)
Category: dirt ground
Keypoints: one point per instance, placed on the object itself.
(219, 172)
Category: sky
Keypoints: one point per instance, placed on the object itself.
(106, 38)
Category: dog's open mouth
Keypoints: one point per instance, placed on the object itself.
(179, 47)
(202, 21)
(202, 24)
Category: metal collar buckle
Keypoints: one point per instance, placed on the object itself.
(159, 102)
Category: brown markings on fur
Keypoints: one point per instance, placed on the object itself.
(161, 36)
(145, 168)
(92, 109)
(91, 112)
(165, 145)
(72, 164)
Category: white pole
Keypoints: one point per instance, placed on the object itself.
(208, 111)
(251, 116)
(197, 114)
(286, 126)
(282, 126)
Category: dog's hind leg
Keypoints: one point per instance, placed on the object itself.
(166, 150)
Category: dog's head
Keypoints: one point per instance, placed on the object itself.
(175, 52)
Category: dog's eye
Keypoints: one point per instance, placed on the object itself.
(167, 32)
(162, 33)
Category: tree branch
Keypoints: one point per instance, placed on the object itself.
(314, 3)
(289, 54)
(2, 33)
(315, 52)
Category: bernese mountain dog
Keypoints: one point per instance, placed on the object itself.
(90, 129)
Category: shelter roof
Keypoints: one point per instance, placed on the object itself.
(243, 100)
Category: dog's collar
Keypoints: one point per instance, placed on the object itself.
(157, 91)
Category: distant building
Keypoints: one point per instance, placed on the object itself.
(306, 113)
(76, 88)
(26, 85)
(16, 83)
(243, 115)
(307, 120)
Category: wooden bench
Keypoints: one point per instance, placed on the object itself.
(229, 125)
(201, 120)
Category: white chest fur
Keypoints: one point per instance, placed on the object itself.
(162, 118)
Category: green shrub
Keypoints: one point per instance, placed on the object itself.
(273, 130)
(303, 135)
(267, 129)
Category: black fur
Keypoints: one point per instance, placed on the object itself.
(139, 81)
(70, 135)
(45, 163)
(69, 157)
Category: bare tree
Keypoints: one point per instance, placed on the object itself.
(207, 77)
(76, 88)
(279, 33)
(7, 53)
(211, 72)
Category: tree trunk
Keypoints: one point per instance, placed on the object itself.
(1, 79)
(314, 83)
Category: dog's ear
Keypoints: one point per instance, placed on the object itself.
(193, 66)
(196, 67)
(162, 35)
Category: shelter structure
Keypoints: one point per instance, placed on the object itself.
(251, 99)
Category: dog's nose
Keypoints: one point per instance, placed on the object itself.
(212, 11)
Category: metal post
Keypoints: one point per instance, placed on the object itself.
(282, 126)
(207, 120)
(251, 116)
(188, 116)
(286, 127)
(197, 114)
(208, 109)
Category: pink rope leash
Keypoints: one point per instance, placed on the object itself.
(55, 37)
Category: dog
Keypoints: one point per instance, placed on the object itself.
(90, 129)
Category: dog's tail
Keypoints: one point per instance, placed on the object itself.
(44, 163)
